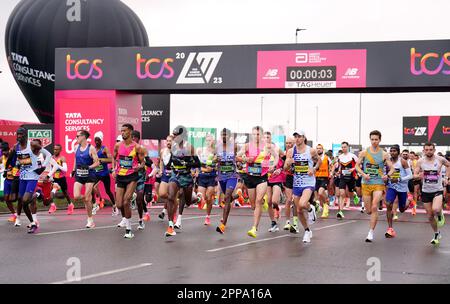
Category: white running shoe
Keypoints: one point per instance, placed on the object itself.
(141, 225)
(128, 235)
(369, 238)
(307, 237)
(274, 228)
(90, 224)
(133, 201)
(312, 216)
(115, 211)
(95, 208)
(122, 223)
(17, 223)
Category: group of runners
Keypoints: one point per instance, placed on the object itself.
(305, 180)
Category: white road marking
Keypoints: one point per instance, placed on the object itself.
(105, 273)
(273, 238)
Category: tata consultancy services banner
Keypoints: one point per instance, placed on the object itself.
(155, 116)
(197, 136)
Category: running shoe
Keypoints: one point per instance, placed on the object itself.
(70, 208)
(237, 204)
(95, 208)
(102, 203)
(436, 238)
(170, 232)
(307, 237)
(362, 209)
(161, 215)
(355, 200)
(133, 201)
(115, 211)
(369, 237)
(252, 232)
(12, 219)
(221, 228)
(52, 208)
(440, 220)
(312, 216)
(146, 217)
(122, 223)
(207, 221)
(141, 225)
(240, 196)
(274, 228)
(325, 211)
(340, 215)
(33, 229)
(395, 218)
(265, 205)
(177, 226)
(17, 223)
(128, 234)
(390, 233)
(287, 226)
(90, 224)
(293, 229)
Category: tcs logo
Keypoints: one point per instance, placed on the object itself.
(429, 63)
(83, 69)
(144, 68)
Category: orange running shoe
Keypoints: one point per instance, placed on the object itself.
(240, 196)
(12, 219)
(146, 217)
(170, 232)
(390, 233)
(221, 228)
(102, 203)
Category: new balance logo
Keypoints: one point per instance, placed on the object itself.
(351, 72)
(199, 67)
(272, 72)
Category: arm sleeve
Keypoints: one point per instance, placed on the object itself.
(47, 155)
(408, 176)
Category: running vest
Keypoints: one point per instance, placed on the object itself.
(102, 169)
(324, 169)
(167, 168)
(432, 179)
(28, 162)
(178, 161)
(373, 166)
(206, 161)
(260, 166)
(84, 160)
(280, 178)
(347, 162)
(149, 180)
(58, 173)
(227, 161)
(127, 159)
(302, 163)
(400, 173)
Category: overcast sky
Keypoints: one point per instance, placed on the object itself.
(220, 22)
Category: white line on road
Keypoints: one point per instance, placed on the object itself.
(273, 238)
(106, 227)
(101, 274)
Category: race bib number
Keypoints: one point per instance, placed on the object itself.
(99, 168)
(254, 169)
(396, 175)
(82, 171)
(431, 176)
(24, 160)
(372, 170)
(226, 167)
(126, 162)
(301, 167)
(346, 172)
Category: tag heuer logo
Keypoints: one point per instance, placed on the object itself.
(44, 135)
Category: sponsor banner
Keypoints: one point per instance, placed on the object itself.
(241, 139)
(280, 141)
(312, 69)
(155, 116)
(415, 131)
(197, 136)
(45, 133)
(439, 130)
(129, 111)
(376, 66)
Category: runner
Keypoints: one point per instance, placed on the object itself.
(303, 157)
(322, 180)
(183, 159)
(228, 178)
(347, 177)
(428, 169)
(373, 160)
(166, 172)
(275, 183)
(415, 183)
(27, 155)
(102, 175)
(128, 161)
(397, 189)
(288, 185)
(446, 182)
(256, 155)
(11, 175)
(151, 170)
(59, 179)
(207, 175)
(86, 161)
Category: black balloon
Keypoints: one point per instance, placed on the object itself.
(36, 27)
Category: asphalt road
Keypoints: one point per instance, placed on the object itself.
(198, 254)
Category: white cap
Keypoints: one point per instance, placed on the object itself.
(119, 138)
(99, 134)
(299, 132)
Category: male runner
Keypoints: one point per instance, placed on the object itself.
(86, 160)
(59, 179)
(373, 160)
(11, 183)
(322, 180)
(428, 169)
(303, 157)
(397, 189)
(166, 172)
(347, 178)
(288, 186)
(128, 161)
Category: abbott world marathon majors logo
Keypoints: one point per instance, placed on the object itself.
(416, 131)
(199, 68)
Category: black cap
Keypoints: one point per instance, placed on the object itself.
(21, 130)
